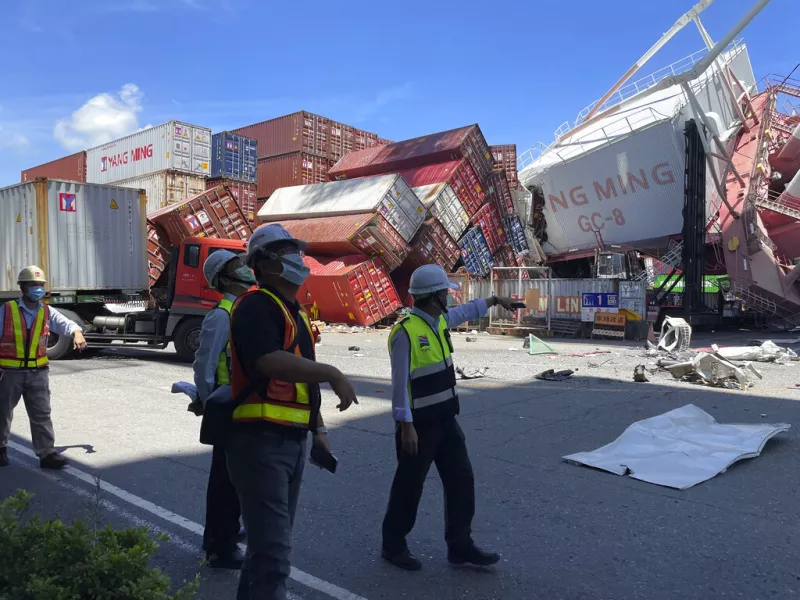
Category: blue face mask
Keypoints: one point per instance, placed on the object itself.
(294, 269)
(36, 292)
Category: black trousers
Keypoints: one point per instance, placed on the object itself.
(222, 507)
(442, 443)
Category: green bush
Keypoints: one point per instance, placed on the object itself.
(48, 560)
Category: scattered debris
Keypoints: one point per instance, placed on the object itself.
(676, 335)
(358, 355)
(474, 332)
(551, 375)
(593, 365)
(711, 370)
(638, 374)
(537, 346)
(513, 349)
(680, 448)
(354, 348)
(765, 352)
(470, 339)
(584, 354)
(476, 374)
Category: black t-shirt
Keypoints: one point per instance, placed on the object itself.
(258, 327)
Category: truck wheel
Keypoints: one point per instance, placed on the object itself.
(187, 338)
(59, 347)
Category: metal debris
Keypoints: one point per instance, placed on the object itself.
(476, 374)
(766, 352)
(676, 335)
(354, 348)
(639, 375)
(552, 375)
(470, 339)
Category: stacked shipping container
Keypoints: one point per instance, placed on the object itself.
(70, 168)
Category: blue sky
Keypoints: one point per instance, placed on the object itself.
(79, 73)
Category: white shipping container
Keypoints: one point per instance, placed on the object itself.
(89, 238)
(172, 146)
(166, 187)
(387, 194)
(442, 202)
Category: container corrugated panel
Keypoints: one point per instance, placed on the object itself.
(368, 234)
(505, 161)
(488, 219)
(71, 168)
(305, 132)
(173, 146)
(498, 192)
(516, 235)
(433, 245)
(85, 237)
(464, 142)
(352, 289)
(504, 257)
(458, 174)
(387, 194)
(159, 252)
(244, 193)
(475, 252)
(166, 187)
(442, 203)
(289, 170)
(214, 213)
(353, 163)
(234, 157)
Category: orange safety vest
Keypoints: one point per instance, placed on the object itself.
(282, 402)
(20, 347)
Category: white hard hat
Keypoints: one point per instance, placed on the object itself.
(429, 279)
(269, 234)
(215, 263)
(31, 274)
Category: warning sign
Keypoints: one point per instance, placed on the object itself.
(609, 325)
(19, 218)
(114, 205)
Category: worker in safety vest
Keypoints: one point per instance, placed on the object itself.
(25, 325)
(424, 406)
(275, 385)
(226, 273)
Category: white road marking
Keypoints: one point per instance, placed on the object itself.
(306, 579)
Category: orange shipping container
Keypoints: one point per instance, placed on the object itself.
(214, 213)
(297, 168)
(159, 252)
(433, 245)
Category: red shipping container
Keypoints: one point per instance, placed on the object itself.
(368, 234)
(297, 168)
(488, 219)
(505, 161)
(71, 168)
(465, 142)
(352, 289)
(433, 245)
(159, 252)
(401, 278)
(244, 194)
(498, 192)
(306, 132)
(459, 174)
(214, 213)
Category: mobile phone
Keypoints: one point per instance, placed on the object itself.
(518, 305)
(322, 458)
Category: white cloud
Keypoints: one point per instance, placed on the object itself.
(383, 98)
(103, 118)
(14, 141)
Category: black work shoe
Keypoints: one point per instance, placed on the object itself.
(53, 461)
(3, 457)
(471, 555)
(232, 560)
(402, 560)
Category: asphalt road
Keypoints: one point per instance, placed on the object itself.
(565, 532)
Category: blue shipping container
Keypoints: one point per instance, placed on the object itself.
(475, 252)
(234, 156)
(516, 235)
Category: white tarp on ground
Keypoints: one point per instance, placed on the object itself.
(680, 448)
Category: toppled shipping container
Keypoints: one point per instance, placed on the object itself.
(214, 213)
(87, 238)
(172, 146)
(368, 234)
(464, 142)
(433, 245)
(165, 187)
(458, 174)
(70, 168)
(306, 132)
(352, 289)
(505, 161)
(442, 203)
(475, 252)
(287, 170)
(244, 193)
(387, 194)
(159, 252)
(498, 192)
(488, 219)
(516, 236)
(234, 156)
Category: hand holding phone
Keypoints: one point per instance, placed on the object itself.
(323, 458)
(518, 305)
